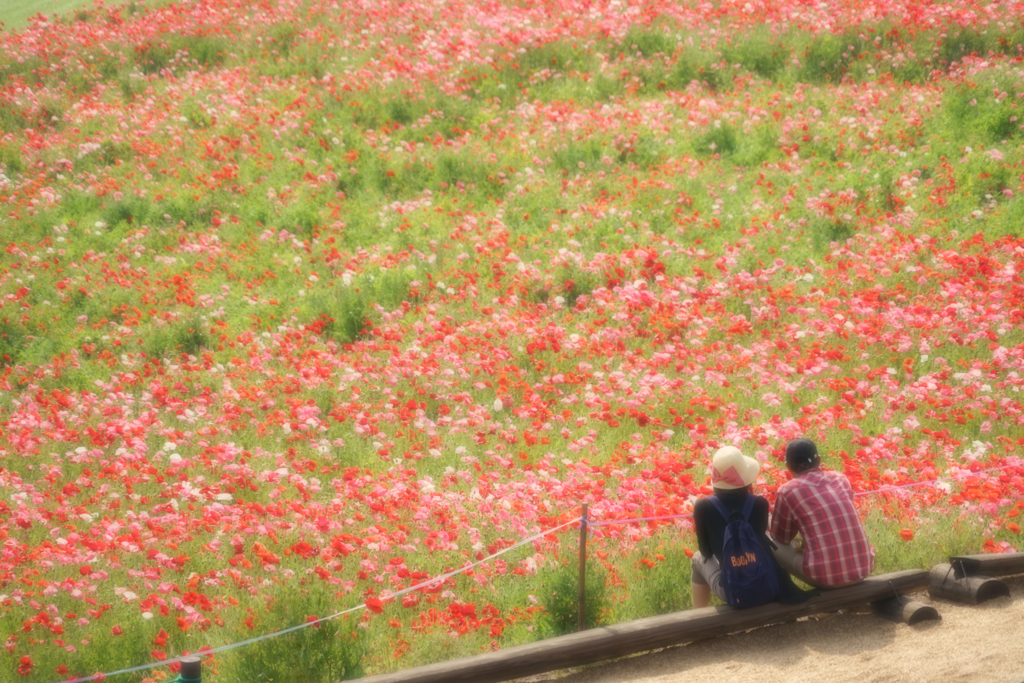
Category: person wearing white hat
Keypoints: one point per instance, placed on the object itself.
(732, 477)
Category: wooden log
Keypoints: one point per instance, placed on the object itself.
(609, 642)
(996, 564)
(905, 610)
(581, 593)
(191, 670)
(972, 590)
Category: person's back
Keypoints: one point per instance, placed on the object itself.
(710, 524)
(818, 506)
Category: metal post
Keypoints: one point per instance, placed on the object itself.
(581, 623)
(192, 669)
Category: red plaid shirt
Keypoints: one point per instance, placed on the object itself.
(819, 506)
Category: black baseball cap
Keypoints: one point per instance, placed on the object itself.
(801, 455)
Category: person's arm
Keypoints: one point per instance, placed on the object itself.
(844, 484)
(783, 528)
(703, 542)
(759, 518)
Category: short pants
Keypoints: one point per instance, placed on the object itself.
(706, 571)
(792, 560)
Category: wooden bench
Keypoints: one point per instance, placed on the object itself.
(609, 642)
(996, 564)
(968, 578)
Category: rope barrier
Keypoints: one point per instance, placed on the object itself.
(957, 477)
(275, 634)
(885, 489)
(444, 577)
(611, 522)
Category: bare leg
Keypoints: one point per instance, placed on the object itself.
(701, 594)
(701, 570)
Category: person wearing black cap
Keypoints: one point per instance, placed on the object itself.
(818, 505)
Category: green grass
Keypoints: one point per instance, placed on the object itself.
(16, 13)
(560, 598)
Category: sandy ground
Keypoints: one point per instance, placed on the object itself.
(980, 644)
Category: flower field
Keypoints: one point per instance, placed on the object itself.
(304, 303)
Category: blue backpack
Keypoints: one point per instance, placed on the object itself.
(748, 569)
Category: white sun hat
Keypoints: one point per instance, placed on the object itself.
(730, 469)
